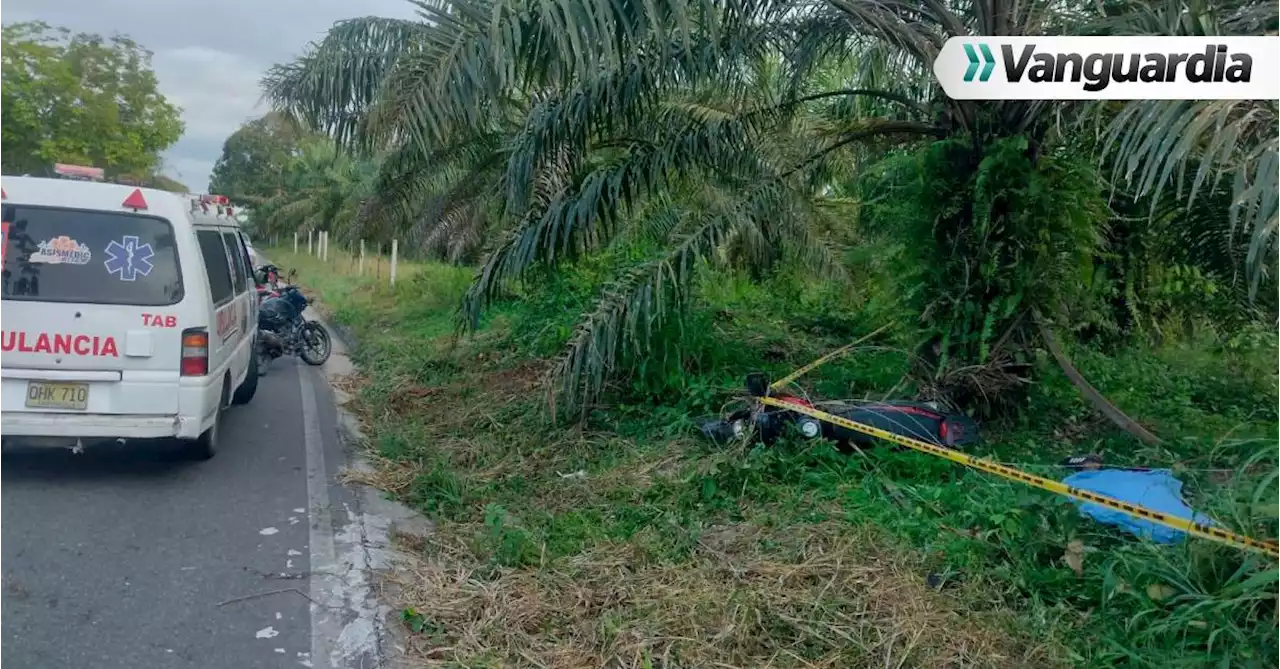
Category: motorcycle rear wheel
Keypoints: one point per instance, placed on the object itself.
(264, 359)
(314, 346)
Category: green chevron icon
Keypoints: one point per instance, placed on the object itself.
(988, 60)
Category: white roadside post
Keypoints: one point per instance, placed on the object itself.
(295, 241)
(360, 271)
(310, 235)
(394, 248)
(324, 246)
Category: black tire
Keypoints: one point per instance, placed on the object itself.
(314, 334)
(249, 387)
(264, 360)
(206, 446)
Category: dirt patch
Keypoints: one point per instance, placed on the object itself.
(520, 380)
(497, 387)
(411, 398)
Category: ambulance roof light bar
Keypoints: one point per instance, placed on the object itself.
(79, 172)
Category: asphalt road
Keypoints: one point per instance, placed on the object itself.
(132, 558)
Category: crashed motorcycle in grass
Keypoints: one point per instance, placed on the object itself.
(924, 421)
(283, 330)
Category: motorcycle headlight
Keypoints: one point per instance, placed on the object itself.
(810, 428)
(738, 428)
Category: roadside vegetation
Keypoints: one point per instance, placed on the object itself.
(617, 213)
(621, 539)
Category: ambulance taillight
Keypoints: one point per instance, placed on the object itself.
(195, 352)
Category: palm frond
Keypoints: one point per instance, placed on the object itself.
(1153, 144)
(298, 213)
(337, 80)
(583, 217)
(408, 182)
(632, 308)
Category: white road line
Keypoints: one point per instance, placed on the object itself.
(326, 588)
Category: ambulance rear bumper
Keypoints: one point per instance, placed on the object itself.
(65, 429)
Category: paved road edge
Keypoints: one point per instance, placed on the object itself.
(368, 536)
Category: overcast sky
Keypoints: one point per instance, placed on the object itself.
(209, 54)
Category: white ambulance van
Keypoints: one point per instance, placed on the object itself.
(127, 313)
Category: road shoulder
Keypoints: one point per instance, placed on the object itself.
(363, 522)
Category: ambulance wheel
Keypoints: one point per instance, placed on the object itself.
(247, 389)
(206, 445)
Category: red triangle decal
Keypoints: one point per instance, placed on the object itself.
(135, 200)
(3, 195)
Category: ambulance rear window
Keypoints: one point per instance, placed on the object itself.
(97, 257)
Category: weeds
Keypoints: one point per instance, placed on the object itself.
(620, 541)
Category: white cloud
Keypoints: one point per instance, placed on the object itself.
(208, 56)
(217, 91)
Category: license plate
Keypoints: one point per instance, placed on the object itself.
(57, 395)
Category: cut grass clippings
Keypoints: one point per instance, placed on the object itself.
(825, 595)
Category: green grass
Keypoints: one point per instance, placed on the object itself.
(623, 539)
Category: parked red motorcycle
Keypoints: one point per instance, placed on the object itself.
(267, 278)
(925, 421)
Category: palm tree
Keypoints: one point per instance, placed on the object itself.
(713, 120)
(321, 188)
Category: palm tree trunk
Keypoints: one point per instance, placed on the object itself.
(1095, 398)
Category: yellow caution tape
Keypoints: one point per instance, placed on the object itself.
(1003, 471)
(824, 359)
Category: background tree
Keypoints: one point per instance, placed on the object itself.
(165, 183)
(255, 157)
(319, 189)
(81, 99)
(727, 126)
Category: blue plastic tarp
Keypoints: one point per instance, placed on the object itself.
(1155, 489)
